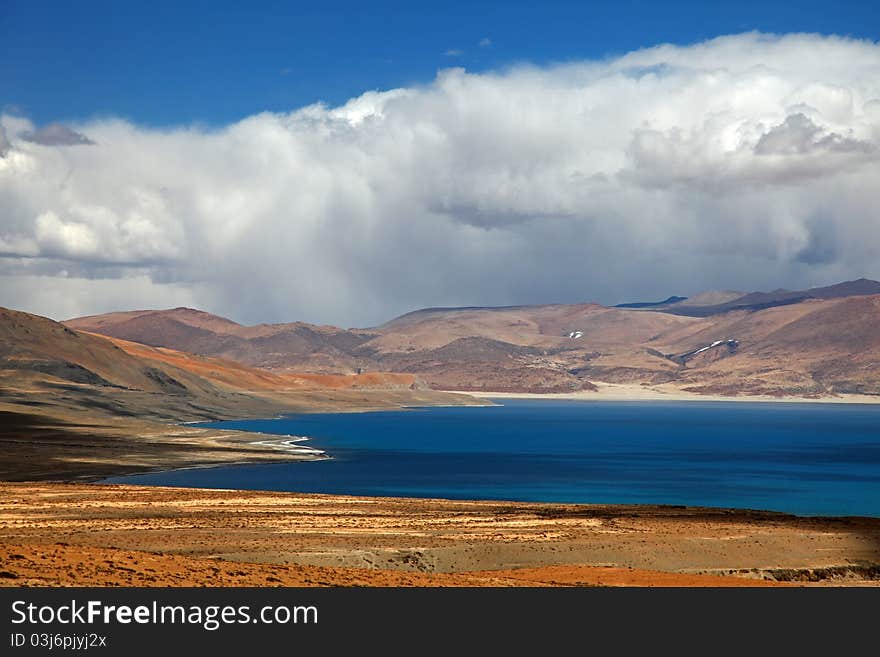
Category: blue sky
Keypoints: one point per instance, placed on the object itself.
(165, 63)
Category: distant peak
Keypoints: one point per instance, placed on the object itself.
(652, 304)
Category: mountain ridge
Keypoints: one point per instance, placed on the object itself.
(746, 345)
(778, 297)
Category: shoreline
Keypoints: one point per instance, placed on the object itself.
(63, 442)
(625, 392)
(111, 480)
(621, 507)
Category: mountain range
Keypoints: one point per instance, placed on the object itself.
(816, 341)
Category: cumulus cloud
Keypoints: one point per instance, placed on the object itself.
(746, 162)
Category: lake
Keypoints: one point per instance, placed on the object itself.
(808, 459)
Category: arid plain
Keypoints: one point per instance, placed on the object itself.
(61, 534)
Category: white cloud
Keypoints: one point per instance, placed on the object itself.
(748, 161)
(485, 42)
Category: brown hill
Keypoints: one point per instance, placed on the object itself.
(33, 345)
(293, 347)
(813, 342)
(48, 362)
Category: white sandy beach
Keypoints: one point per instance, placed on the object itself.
(636, 392)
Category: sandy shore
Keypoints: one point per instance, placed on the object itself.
(78, 534)
(637, 392)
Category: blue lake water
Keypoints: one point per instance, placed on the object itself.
(809, 459)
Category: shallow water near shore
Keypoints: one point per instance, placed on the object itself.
(807, 459)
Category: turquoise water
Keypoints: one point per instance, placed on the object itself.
(810, 459)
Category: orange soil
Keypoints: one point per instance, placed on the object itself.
(141, 535)
(68, 565)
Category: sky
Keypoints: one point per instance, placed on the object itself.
(276, 162)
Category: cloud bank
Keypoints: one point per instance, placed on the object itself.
(748, 161)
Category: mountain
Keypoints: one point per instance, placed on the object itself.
(811, 342)
(514, 348)
(711, 298)
(43, 362)
(780, 297)
(815, 346)
(652, 304)
(293, 347)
